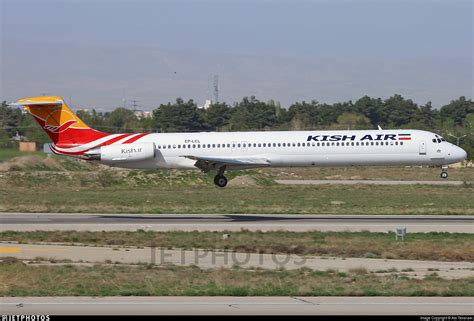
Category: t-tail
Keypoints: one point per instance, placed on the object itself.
(68, 133)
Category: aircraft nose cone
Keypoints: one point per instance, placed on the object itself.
(458, 154)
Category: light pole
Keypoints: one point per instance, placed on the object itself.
(458, 138)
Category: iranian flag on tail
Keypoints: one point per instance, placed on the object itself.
(404, 136)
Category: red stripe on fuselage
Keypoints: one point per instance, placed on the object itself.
(113, 140)
(133, 139)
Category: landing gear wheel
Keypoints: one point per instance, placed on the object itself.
(444, 175)
(220, 180)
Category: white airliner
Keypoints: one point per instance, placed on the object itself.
(221, 151)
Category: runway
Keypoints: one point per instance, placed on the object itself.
(234, 222)
(239, 305)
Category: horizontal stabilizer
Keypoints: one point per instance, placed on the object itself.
(30, 102)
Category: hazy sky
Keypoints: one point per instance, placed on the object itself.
(346, 31)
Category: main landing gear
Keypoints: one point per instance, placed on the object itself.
(444, 172)
(220, 180)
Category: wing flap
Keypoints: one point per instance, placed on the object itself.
(208, 163)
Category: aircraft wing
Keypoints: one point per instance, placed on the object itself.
(207, 163)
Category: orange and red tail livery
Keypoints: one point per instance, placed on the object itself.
(70, 135)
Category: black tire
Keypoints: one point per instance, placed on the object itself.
(220, 180)
(444, 175)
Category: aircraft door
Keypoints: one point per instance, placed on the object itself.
(423, 148)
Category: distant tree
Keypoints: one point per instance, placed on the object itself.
(122, 120)
(178, 117)
(457, 110)
(371, 108)
(217, 116)
(32, 130)
(399, 111)
(254, 114)
(10, 118)
(92, 118)
(351, 120)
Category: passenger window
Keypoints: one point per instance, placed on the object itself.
(279, 145)
(179, 146)
(169, 146)
(159, 146)
(317, 144)
(228, 145)
(298, 144)
(396, 143)
(194, 145)
(352, 143)
(238, 145)
(264, 144)
(284, 144)
(357, 144)
(401, 143)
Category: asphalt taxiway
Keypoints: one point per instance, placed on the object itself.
(234, 222)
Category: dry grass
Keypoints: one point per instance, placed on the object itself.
(417, 246)
(22, 280)
(191, 192)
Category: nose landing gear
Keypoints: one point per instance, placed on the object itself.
(444, 172)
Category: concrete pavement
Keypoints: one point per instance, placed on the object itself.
(365, 182)
(239, 305)
(216, 259)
